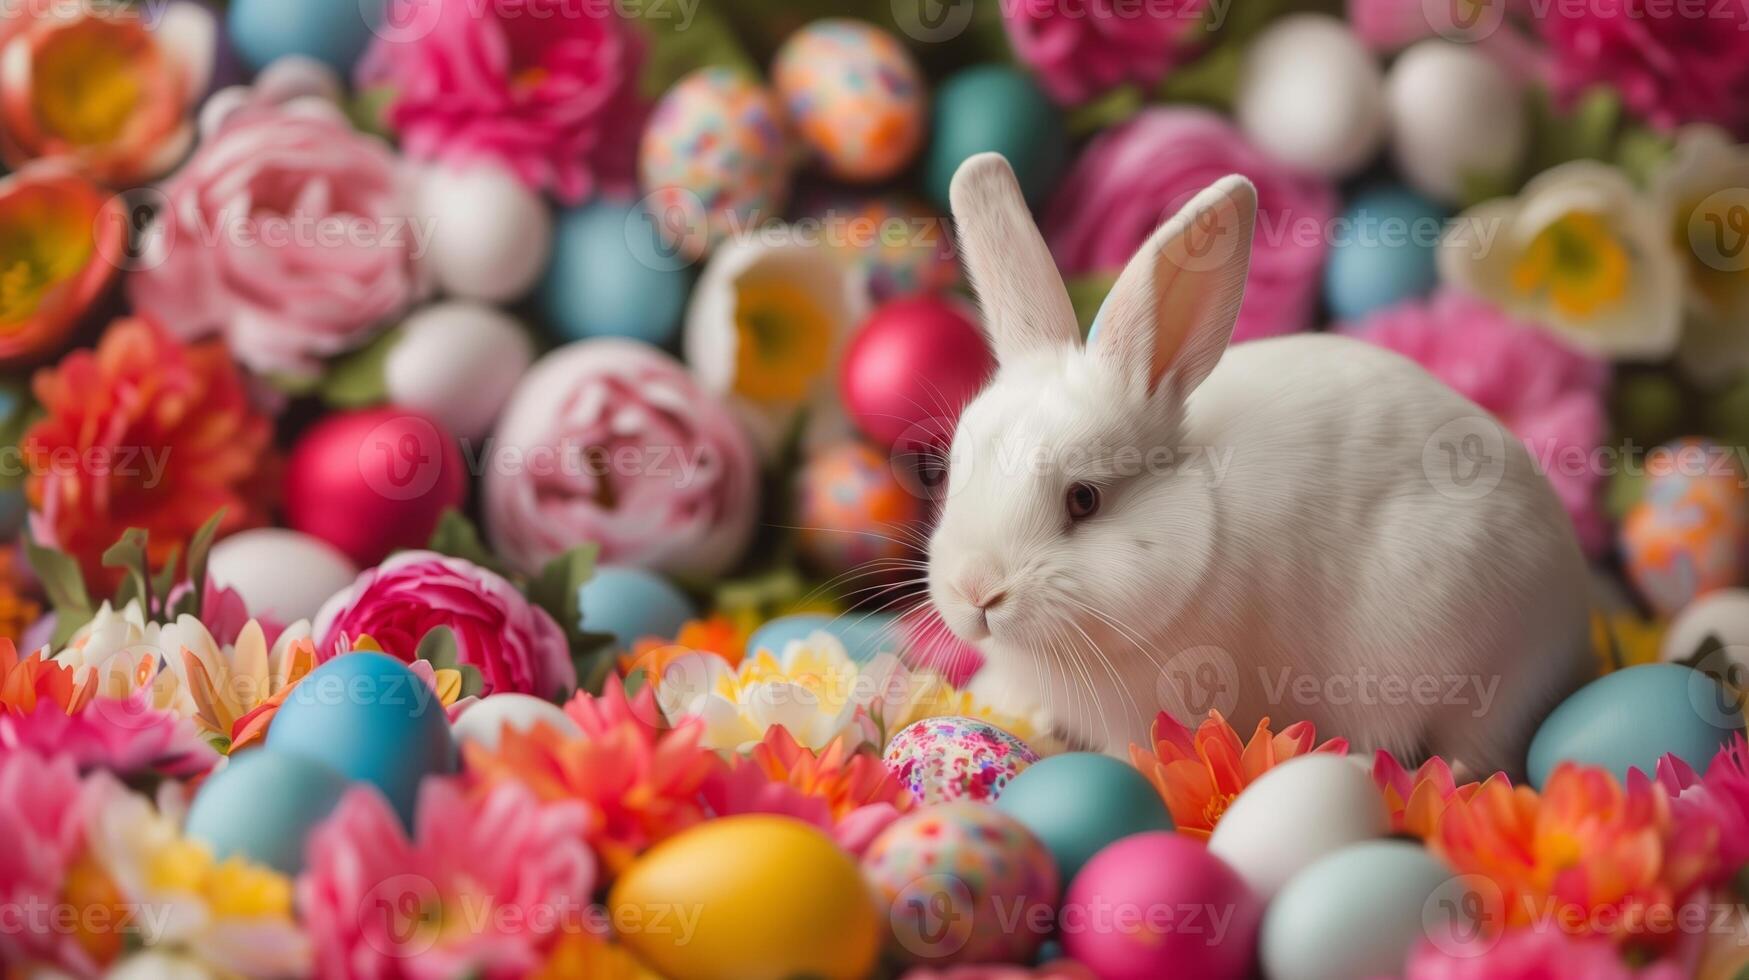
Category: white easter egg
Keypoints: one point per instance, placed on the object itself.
(1722, 615)
(483, 723)
(1296, 813)
(489, 236)
(282, 574)
(1311, 95)
(1454, 116)
(458, 362)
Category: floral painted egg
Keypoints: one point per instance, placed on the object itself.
(963, 883)
(902, 246)
(1689, 533)
(950, 758)
(854, 96)
(714, 158)
(852, 510)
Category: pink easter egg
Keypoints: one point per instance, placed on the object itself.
(912, 366)
(1156, 906)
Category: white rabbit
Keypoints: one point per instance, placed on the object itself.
(1306, 527)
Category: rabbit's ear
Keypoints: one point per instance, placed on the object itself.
(1025, 306)
(1173, 308)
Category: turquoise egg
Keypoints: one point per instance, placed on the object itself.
(632, 603)
(335, 32)
(1354, 913)
(864, 635)
(1631, 718)
(611, 275)
(994, 108)
(263, 805)
(1383, 252)
(1079, 802)
(368, 717)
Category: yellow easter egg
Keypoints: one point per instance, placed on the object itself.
(748, 898)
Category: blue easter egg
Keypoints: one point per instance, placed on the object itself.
(1383, 253)
(1631, 718)
(632, 603)
(611, 276)
(370, 718)
(335, 32)
(1356, 912)
(263, 805)
(995, 108)
(1079, 802)
(864, 635)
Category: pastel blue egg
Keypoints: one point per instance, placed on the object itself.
(1355, 913)
(263, 805)
(332, 31)
(632, 603)
(994, 108)
(1631, 718)
(864, 635)
(1383, 252)
(368, 717)
(1079, 802)
(611, 275)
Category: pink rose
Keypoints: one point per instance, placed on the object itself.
(1080, 48)
(515, 645)
(288, 233)
(613, 442)
(1132, 178)
(546, 88)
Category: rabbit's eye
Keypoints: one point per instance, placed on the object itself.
(1081, 501)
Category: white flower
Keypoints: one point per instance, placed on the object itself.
(127, 654)
(1579, 251)
(812, 689)
(1702, 191)
(226, 683)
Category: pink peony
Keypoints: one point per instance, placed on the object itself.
(483, 888)
(1550, 395)
(1080, 48)
(546, 88)
(126, 736)
(1672, 63)
(1531, 954)
(1132, 178)
(44, 809)
(612, 441)
(289, 233)
(515, 645)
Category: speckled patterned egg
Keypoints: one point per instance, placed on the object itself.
(962, 883)
(902, 246)
(854, 97)
(944, 759)
(715, 159)
(1687, 536)
(852, 509)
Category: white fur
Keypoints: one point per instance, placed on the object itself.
(1299, 544)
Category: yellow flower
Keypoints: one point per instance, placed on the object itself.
(226, 683)
(811, 688)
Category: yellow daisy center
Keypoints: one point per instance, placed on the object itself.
(38, 251)
(783, 342)
(1577, 262)
(86, 85)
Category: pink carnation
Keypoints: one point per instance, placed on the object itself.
(44, 808)
(1550, 395)
(482, 888)
(613, 442)
(515, 645)
(546, 88)
(1671, 63)
(125, 736)
(1080, 48)
(288, 233)
(1132, 178)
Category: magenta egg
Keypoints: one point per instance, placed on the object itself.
(1157, 906)
(911, 368)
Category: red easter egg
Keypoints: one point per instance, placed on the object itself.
(373, 481)
(912, 366)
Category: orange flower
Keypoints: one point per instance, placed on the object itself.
(642, 782)
(17, 610)
(1586, 855)
(142, 432)
(24, 681)
(846, 780)
(1418, 800)
(98, 89)
(719, 635)
(57, 257)
(1199, 775)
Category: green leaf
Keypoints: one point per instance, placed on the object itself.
(1105, 111)
(21, 413)
(129, 555)
(1641, 152)
(199, 548)
(356, 380)
(1211, 80)
(63, 583)
(678, 46)
(457, 537)
(556, 590)
(472, 682)
(438, 646)
(165, 581)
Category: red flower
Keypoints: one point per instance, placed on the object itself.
(1670, 63)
